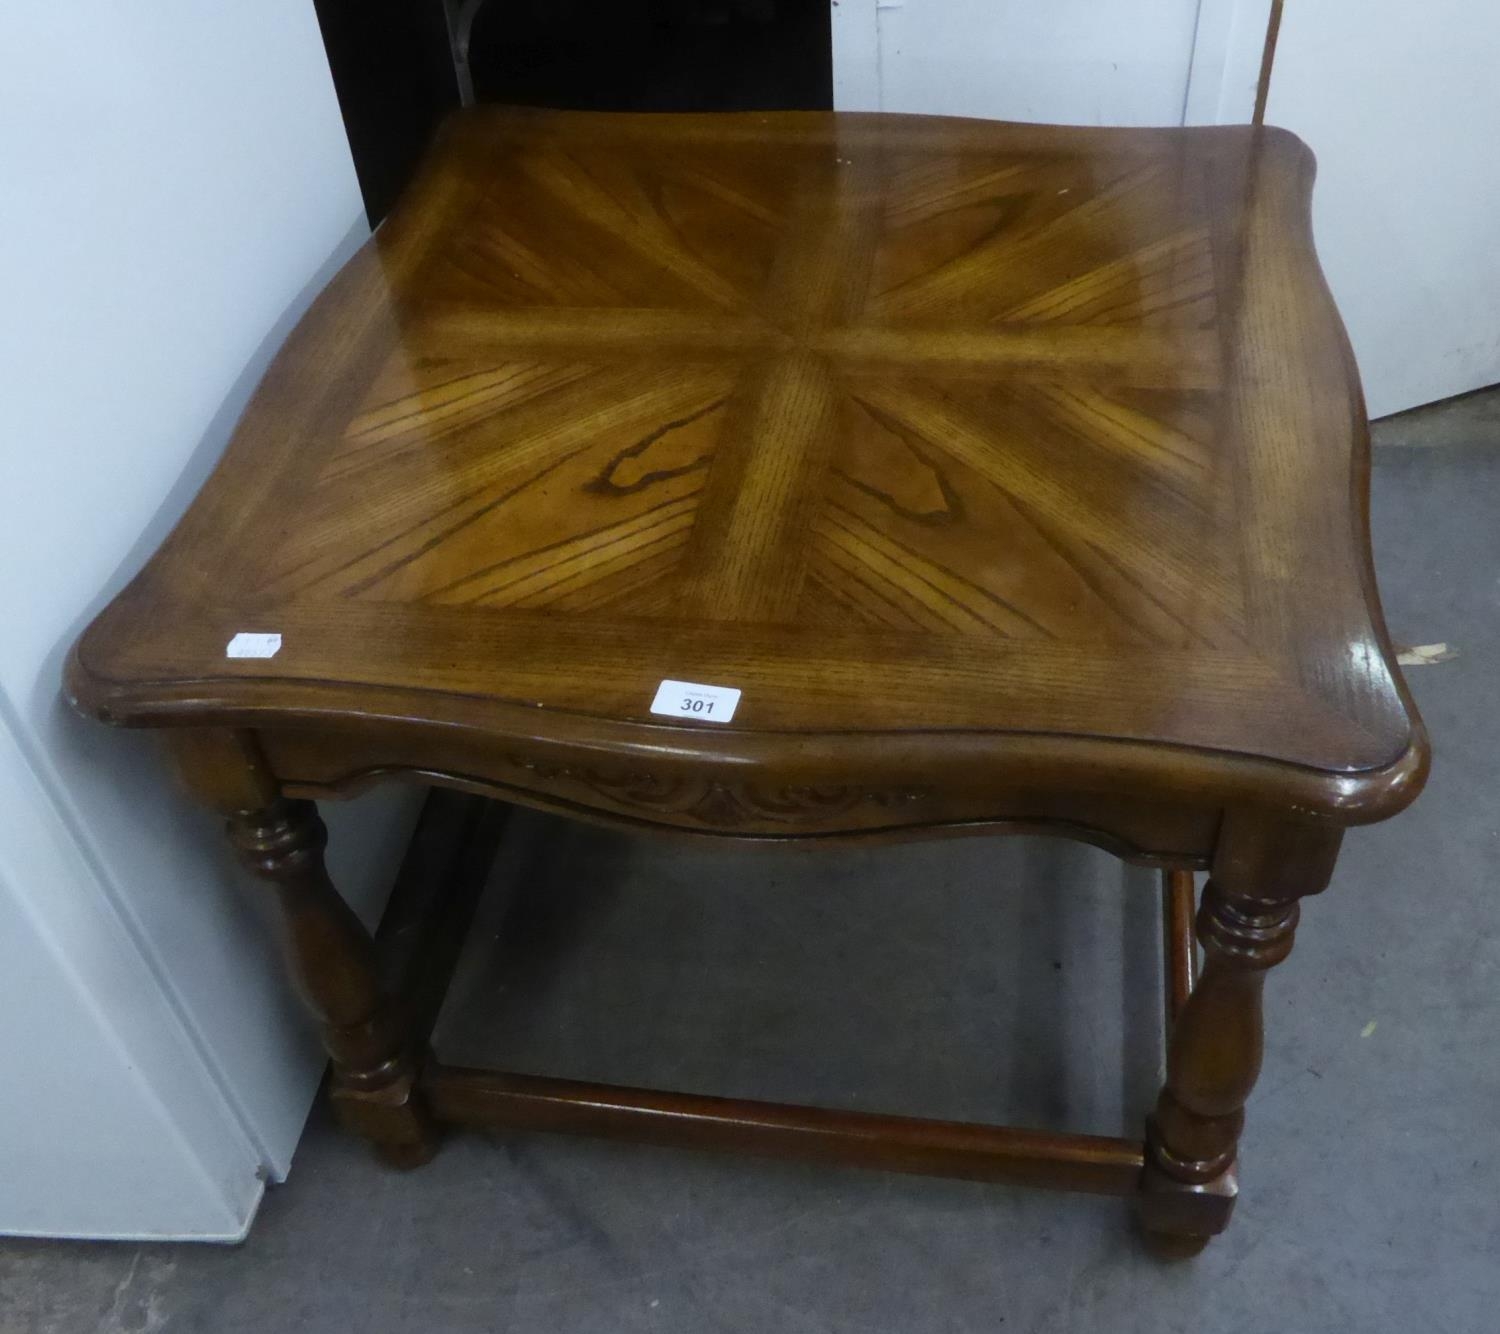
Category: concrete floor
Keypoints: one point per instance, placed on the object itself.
(969, 978)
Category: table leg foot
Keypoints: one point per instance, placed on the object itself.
(1246, 924)
(393, 1120)
(329, 954)
(1188, 1187)
(332, 960)
(1179, 1218)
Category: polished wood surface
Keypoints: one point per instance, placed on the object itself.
(1246, 921)
(945, 442)
(1015, 475)
(1179, 941)
(331, 958)
(493, 1100)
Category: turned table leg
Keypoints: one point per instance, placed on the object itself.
(329, 953)
(1246, 925)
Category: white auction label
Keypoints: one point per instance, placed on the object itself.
(247, 644)
(701, 704)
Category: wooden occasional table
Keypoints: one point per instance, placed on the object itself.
(1015, 478)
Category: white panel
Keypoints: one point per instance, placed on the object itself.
(1227, 50)
(1401, 103)
(111, 1124)
(856, 55)
(1070, 61)
(177, 185)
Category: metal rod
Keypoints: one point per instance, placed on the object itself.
(1267, 59)
(459, 16)
(494, 1100)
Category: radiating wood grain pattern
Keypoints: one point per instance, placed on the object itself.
(908, 428)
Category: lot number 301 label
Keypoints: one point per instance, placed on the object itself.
(695, 703)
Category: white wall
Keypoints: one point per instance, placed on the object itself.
(109, 1125)
(1229, 42)
(1401, 103)
(1074, 61)
(174, 185)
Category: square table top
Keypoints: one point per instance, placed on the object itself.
(901, 426)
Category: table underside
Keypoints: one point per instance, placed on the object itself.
(419, 942)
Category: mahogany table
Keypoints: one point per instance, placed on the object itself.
(802, 476)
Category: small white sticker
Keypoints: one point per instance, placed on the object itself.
(248, 645)
(700, 704)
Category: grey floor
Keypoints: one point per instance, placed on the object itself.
(971, 979)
